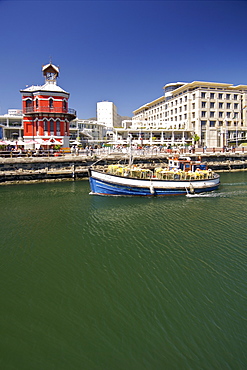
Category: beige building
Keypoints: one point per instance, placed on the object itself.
(213, 112)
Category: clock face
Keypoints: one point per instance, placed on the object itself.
(50, 76)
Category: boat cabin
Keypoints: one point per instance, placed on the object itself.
(185, 164)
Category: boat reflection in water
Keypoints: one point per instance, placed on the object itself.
(180, 176)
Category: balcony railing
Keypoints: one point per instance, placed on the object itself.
(45, 109)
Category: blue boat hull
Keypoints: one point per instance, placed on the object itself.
(102, 187)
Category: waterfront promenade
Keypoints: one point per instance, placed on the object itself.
(99, 152)
(28, 167)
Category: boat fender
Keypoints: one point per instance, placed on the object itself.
(192, 190)
(152, 191)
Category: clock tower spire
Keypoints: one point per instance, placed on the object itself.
(50, 72)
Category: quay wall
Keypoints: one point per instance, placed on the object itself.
(70, 168)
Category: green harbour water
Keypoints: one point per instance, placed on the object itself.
(90, 282)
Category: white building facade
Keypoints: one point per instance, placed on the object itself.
(86, 131)
(11, 125)
(212, 113)
(107, 113)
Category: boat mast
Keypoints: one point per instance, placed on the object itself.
(130, 149)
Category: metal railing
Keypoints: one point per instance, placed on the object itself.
(103, 152)
(45, 109)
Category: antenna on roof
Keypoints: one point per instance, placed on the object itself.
(50, 60)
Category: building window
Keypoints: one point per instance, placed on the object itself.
(51, 126)
(220, 114)
(228, 105)
(221, 105)
(58, 127)
(228, 96)
(212, 105)
(203, 113)
(212, 123)
(50, 103)
(193, 96)
(185, 116)
(37, 103)
(220, 96)
(203, 123)
(235, 105)
(203, 104)
(220, 123)
(45, 125)
(211, 114)
(28, 104)
(64, 105)
(235, 97)
(203, 95)
(185, 107)
(211, 95)
(193, 105)
(228, 114)
(185, 98)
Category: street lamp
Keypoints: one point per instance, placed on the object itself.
(225, 142)
(234, 116)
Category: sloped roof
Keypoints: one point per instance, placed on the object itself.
(52, 66)
(48, 86)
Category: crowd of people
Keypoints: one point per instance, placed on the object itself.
(91, 150)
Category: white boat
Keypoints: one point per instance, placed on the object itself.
(180, 176)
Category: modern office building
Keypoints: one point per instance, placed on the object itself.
(107, 113)
(46, 115)
(214, 113)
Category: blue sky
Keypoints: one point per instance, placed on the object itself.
(120, 51)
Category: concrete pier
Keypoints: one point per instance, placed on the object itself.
(71, 168)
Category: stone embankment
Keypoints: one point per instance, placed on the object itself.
(68, 167)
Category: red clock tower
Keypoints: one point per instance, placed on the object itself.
(46, 115)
